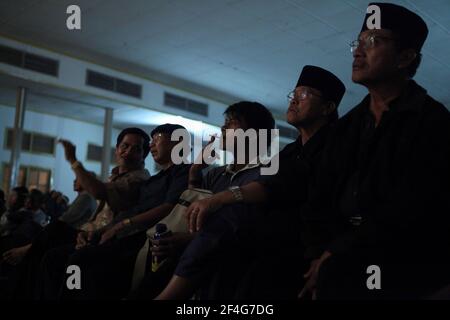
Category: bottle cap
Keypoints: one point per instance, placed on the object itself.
(161, 227)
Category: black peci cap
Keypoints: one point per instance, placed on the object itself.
(326, 82)
(408, 26)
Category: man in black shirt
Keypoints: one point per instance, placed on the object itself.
(381, 200)
(312, 107)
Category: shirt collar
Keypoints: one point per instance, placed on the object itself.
(410, 100)
(115, 172)
(316, 141)
(229, 168)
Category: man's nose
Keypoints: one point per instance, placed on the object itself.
(358, 51)
(126, 151)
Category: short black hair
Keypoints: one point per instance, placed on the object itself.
(167, 128)
(255, 115)
(133, 130)
(20, 190)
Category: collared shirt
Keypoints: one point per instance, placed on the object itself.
(381, 187)
(40, 218)
(370, 136)
(80, 211)
(221, 178)
(165, 187)
(288, 189)
(122, 192)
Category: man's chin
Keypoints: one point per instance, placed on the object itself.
(360, 77)
(356, 78)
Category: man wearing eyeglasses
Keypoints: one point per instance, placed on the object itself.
(381, 200)
(312, 109)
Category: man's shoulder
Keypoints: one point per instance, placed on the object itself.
(215, 171)
(435, 119)
(83, 197)
(135, 175)
(179, 170)
(436, 108)
(289, 148)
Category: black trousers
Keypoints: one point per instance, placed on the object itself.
(106, 270)
(154, 282)
(56, 234)
(221, 253)
(345, 276)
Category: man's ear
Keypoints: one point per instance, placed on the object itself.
(330, 107)
(406, 58)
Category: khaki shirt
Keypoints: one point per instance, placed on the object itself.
(122, 192)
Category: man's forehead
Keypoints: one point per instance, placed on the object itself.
(379, 32)
(133, 138)
(300, 89)
(160, 134)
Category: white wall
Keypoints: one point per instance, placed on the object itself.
(80, 133)
(72, 76)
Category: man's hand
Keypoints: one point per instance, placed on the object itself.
(111, 232)
(83, 239)
(199, 163)
(171, 246)
(69, 150)
(198, 211)
(16, 255)
(311, 276)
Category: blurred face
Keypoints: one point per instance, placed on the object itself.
(231, 123)
(28, 203)
(376, 57)
(305, 107)
(130, 151)
(12, 199)
(161, 148)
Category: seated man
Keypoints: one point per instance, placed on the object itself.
(119, 193)
(243, 115)
(378, 223)
(78, 213)
(56, 204)
(312, 109)
(15, 202)
(24, 224)
(82, 208)
(107, 258)
(228, 230)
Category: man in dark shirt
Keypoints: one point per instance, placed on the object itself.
(381, 201)
(106, 261)
(312, 107)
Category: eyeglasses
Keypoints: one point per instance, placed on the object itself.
(156, 137)
(368, 42)
(303, 95)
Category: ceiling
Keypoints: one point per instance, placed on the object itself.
(224, 49)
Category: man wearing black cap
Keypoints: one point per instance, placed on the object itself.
(107, 261)
(381, 201)
(312, 107)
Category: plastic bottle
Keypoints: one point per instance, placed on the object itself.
(161, 232)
